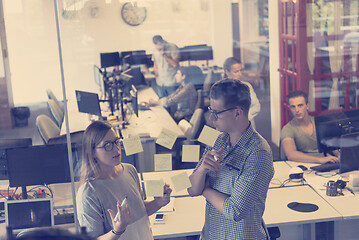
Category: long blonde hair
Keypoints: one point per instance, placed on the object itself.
(93, 135)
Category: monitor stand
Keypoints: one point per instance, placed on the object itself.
(24, 192)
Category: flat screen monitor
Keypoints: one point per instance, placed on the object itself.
(29, 213)
(88, 102)
(9, 143)
(38, 165)
(349, 154)
(134, 99)
(330, 127)
(110, 59)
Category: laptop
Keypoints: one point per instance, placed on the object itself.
(29, 213)
(349, 159)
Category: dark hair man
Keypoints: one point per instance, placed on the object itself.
(298, 137)
(235, 174)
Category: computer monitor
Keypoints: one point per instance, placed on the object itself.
(88, 102)
(110, 59)
(134, 100)
(38, 165)
(349, 155)
(29, 213)
(9, 143)
(330, 128)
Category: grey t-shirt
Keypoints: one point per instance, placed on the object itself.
(95, 197)
(303, 142)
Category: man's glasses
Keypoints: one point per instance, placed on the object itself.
(109, 145)
(215, 114)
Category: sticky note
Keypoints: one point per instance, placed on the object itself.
(208, 136)
(154, 188)
(132, 145)
(163, 162)
(190, 153)
(181, 181)
(166, 138)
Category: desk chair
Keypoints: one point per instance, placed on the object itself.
(51, 233)
(56, 112)
(50, 132)
(52, 96)
(191, 129)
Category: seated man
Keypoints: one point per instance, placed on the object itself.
(298, 137)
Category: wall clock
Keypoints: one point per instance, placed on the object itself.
(132, 14)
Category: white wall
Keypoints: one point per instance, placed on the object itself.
(33, 51)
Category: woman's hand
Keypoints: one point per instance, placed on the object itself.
(165, 199)
(123, 219)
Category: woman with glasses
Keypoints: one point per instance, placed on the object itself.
(105, 183)
(233, 70)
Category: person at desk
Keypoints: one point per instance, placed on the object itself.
(234, 175)
(298, 137)
(105, 182)
(233, 69)
(184, 98)
(165, 62)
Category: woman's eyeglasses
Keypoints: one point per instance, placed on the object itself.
(109, 145)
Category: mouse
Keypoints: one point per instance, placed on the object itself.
(304, 168)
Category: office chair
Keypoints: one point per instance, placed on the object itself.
(191, 129)
(52, 96)
(56, 112)
(50, 132)
(47, 128)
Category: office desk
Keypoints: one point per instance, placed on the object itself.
(187, 220)
(149, 122)
(281, 175)
(277, 213)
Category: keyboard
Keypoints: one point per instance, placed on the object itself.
(64, 218)
(326, 167)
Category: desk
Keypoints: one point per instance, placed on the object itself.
(281, 175)
(149, 122)
(187, 220)
(277, 213)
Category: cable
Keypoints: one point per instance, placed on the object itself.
(326, 174)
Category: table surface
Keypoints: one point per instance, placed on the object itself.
(277, 213)
(188, 219)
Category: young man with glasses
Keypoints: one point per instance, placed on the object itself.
(233, 175)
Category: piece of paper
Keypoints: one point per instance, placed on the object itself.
(166, 138)
(190, 153)
(208, 136)
(163, 162)
(181, 181)
(132, 145)
(154, 188)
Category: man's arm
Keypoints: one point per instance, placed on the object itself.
(290, 150)
(198, 178)
(172, 61)
(155, 69)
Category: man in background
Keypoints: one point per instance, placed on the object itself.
(166, 62)
(298, 137)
